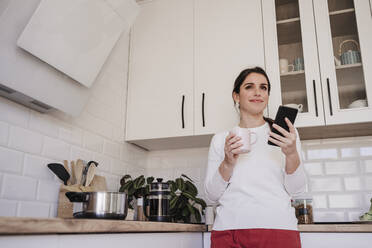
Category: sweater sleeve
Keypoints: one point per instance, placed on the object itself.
(295, 183)
(214, 184)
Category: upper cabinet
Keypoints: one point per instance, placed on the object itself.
(318, 55)
(160, 89)
(184, 58)
(226, 42)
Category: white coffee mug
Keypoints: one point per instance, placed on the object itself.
(246, 138)
(283, 65)
(296, 106)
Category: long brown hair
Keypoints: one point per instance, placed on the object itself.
(240, 79)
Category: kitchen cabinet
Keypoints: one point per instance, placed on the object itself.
(312, 35)
(138, 240)
(226, 42)
(184, 58)
(160, 88)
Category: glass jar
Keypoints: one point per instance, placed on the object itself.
(304, 210)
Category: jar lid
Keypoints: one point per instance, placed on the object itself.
(159, 185)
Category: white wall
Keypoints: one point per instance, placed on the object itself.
(30, 140)
(339, 174)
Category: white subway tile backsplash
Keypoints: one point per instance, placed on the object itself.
(111, 149)
(368, 166)
(93, 142)
(366, 151)
(18, 188)
(331, 216)
(95, 125)
(104, 162)
(354, 215)
(13, 113)
(10, 160)
(326, 184)
(349, 152)
(34, 209)
(353, 183)
(36, 167)
(314, 169)
(118, 167)
(56, 149)
(79, 153)
(345, 201)
(368, 182)
(48, 191)
(53, 210)
(322, 154)
(4, 133)
(320, 201)
(71, 135)
(8, 208)
(192, 172)
(341, 167)
(43, 124)
(25, 140)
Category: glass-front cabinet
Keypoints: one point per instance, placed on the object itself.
(318, 56)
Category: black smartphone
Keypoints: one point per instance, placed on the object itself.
(283, 112)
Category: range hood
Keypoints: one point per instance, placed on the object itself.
(30, 81)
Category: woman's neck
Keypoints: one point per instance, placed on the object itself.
(251, 121)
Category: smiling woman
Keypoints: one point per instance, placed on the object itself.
(254, 187)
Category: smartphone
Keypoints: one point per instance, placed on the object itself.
(283, 112)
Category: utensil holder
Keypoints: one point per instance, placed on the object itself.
(65, 207)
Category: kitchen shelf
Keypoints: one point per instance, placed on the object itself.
(289, 32)
(343, 23)
(296, 19)
(338, 12)
(291, 73)
(339, 67)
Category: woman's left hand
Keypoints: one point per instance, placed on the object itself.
(288, 142)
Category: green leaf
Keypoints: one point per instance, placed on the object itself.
(190, 187)
(201, 202)
(131, 191)
(191, 208)
(180, 184)
(183, 175)
(173, 202)
(140, 182)
(188, 195)
(149, 180)
(185, 212)
(121, 188)
(197, 215)
(124, 178)
(172, 185)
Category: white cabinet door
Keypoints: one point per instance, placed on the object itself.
(341, 27)
(290, 35)
(228, 39)
(160, 90)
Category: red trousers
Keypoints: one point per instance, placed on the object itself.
(256, 238)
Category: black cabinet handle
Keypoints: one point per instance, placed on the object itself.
(329, 97)
(183, 106)
(316, 103)
(203, 110)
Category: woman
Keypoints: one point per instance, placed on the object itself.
(254, 189)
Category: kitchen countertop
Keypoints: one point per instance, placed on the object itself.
(332, 228)
(20, 225)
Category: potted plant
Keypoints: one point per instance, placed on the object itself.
(184, 203)
(135, 188)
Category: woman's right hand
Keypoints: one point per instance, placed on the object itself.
(232, 149)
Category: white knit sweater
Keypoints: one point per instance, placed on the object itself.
(258, 194)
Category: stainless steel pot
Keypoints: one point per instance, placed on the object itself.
(103, 205)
